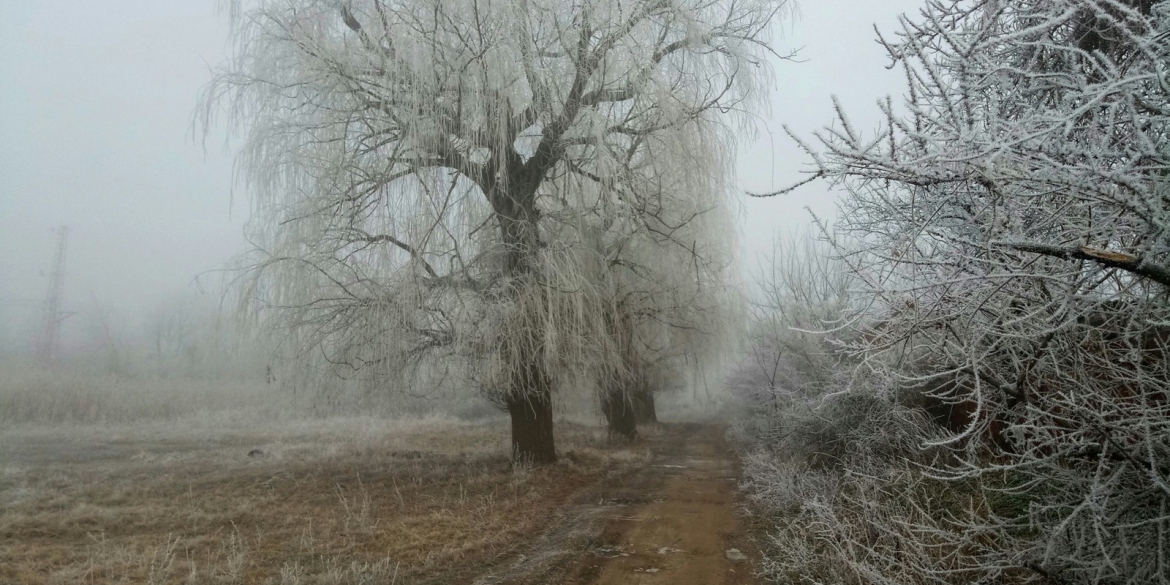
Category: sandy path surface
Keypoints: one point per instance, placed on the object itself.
(683, 536)
(673, 522)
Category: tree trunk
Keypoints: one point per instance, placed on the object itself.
(619, 415)
(532, 420)
(529, 400)
(643, 406)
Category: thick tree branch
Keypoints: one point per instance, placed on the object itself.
(1134, 264)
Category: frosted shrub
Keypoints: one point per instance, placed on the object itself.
(1014, 258)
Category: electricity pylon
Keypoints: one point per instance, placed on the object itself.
(50, 337)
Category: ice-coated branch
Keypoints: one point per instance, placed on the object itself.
(1128, 262)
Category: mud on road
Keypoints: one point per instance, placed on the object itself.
(674, 521)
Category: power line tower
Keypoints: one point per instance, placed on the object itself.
(53, 316)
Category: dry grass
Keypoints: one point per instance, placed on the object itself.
(331, 501)
(31, 396)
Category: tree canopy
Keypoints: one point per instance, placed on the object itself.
(467, 181)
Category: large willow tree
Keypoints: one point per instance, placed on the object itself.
(437, 184)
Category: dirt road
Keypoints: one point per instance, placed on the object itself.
(672, 522)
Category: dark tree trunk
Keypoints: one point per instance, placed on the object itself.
(532, 421)
(619, 415)
(643, 403)
(529, 399)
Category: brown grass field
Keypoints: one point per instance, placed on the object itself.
(340, 500)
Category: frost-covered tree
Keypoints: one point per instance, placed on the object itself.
(792, 375)
(1014, 221)
(663, 306)
(428, 176)
(800, 311)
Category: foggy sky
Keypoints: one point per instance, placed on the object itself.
(96, 103)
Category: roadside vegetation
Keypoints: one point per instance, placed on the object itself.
(966, 379)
